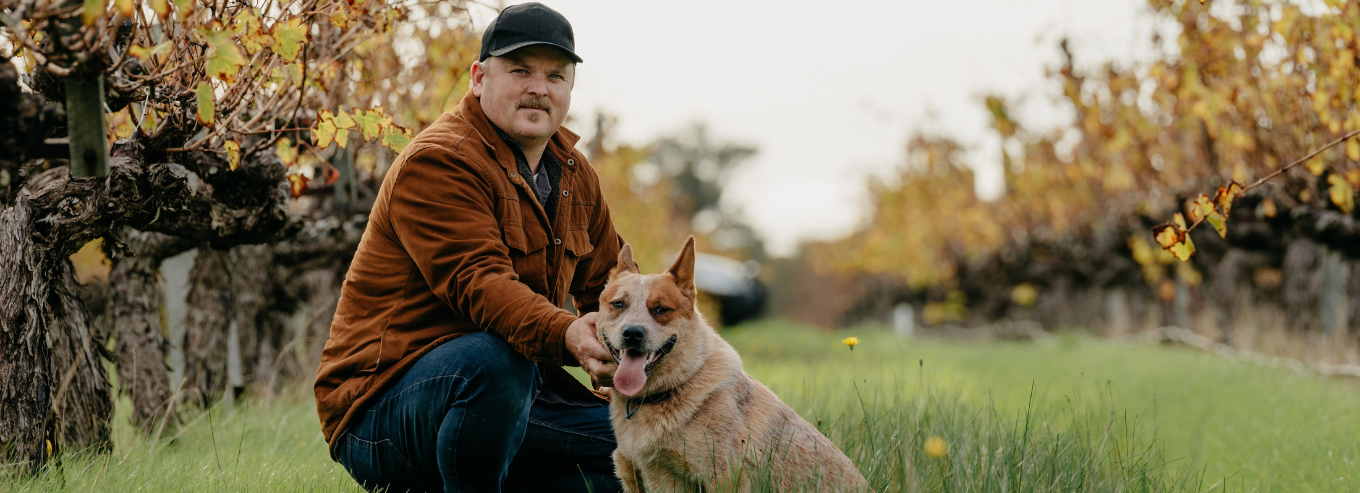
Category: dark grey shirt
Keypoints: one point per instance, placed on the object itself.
(549, 179)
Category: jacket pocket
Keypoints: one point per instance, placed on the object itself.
(577, 242)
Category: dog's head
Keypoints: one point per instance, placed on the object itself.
(650, 325)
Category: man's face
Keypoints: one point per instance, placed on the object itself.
(526, 92)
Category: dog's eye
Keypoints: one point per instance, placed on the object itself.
(618, 305)
(661, 310)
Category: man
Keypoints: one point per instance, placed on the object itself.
(444, 366)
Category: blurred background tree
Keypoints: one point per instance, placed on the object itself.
(1239, 89)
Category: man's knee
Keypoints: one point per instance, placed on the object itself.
(484, 358)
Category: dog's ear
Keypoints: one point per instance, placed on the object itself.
(683, 269)
(626, 263)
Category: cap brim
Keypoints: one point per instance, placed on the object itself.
(508, 49)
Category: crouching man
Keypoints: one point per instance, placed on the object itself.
(443, 370)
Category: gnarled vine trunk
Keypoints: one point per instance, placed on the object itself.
(207, 323)
(134, 313)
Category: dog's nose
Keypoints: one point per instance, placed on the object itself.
(633, 334)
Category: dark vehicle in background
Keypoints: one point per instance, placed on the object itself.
(732, 284)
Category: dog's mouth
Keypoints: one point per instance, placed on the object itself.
(635, 366)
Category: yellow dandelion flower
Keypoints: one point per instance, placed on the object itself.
(935, 447)
(850, 342)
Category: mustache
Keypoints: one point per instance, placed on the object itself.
(535, 103)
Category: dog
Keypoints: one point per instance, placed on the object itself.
(685, 415)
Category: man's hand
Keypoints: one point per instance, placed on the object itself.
(593, 357)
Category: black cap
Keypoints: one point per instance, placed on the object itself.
(528, 24)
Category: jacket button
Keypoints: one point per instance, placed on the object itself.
(571, 162)
(566, 193)
(512, 174)
(557, 241)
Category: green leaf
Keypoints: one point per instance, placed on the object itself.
(396, 138)
(207, 107)
(371, 122)
(288, 38)
(233, 154)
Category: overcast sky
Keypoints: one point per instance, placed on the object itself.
(828, 91)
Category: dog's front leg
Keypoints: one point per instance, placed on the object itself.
(627, 473)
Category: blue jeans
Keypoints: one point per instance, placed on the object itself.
(464, 418)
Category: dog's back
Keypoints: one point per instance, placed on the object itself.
(686, 416)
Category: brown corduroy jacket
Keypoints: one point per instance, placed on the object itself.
(457, 243)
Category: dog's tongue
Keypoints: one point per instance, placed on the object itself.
(631, 375)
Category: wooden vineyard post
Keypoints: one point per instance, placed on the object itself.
(85, 122)
(87, 126)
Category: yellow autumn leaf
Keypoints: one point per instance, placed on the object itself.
(1226, 193)
(341, 136)
(161, 8)
(1166, 234)
(1218, 222)
(224, 59)
(1353, 149)
(1184, 249)
(342, 120)
(233, 154)
(287, 153)
(340, 17)
(251, 32)
(1342, 193)
(124, 8)
(94, 9)
(1179, 220)
(324, 134)
(159, 51)
(1200, 208)
(1316, 166)
(1268, 207)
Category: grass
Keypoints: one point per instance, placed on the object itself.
(1076, 415)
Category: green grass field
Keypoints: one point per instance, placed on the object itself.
(1077, 414)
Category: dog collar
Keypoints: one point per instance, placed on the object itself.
(629, 409)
